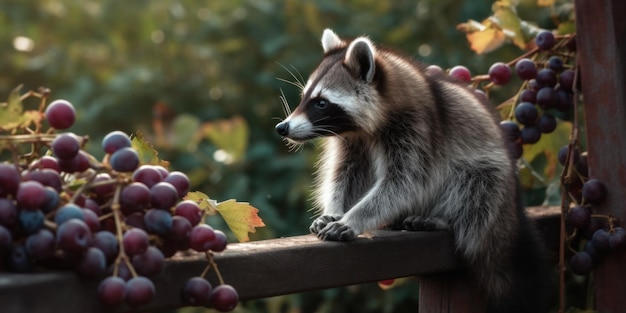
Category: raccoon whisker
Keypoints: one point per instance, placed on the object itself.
(296, 84)
(299, 81)
(285, 103)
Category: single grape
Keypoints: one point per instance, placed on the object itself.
(135, 241)
(594, 191)
(107, 243)
(67, 212)
(135, 220)
(123, 271)
(149, 263)
(157, 221)
(219, 243)
(546, 78)
(526, 113)
(526, 69)
(545, 40)
(45, 162)
(46, 177)
(180, 232)
(579, 216)
(65, 146)
(79, 163)
(197, 291)
(19, 261)
(6, 239)
(135, 197)
(581, 263)
(180, 181)
(41, 245)
(562, 156)
(112, 291)
(600, 240)
(499, 73)
(510, 130)
(31, 220)
(9, 180)
(189, 210)
(8, 212)
(31, 195)
(582, 166)
(433, 70)
(530, 134)
(124, 160)
(596, 256)
(148, 175)
(533, 85)
(224, 298)
(52, 200)
(91, 219)
(617, 238)
(566, 100)
(139, 291)
(73, 236)
(461, 73)
(93, 206)
(60, 114)
(114, 141)
(92, 263)
(103, 190)
(547, 98)
(528, 95)
(201, 237)
(546, 123)
(163, 196)
(555, 63)
(164, 172)
(566, 79)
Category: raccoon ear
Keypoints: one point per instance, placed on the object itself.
(360, 59)
(330, 40)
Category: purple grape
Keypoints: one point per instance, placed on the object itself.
(60, 114)
(73, 236)
(91, 219)
(8, 212)
(555, 63)
(163, 196)
(31, 195)
(124, 160)
(122, 271)
(515, 148)
(526, 113)
(546, 123)
(46, 162)
(149, 263)
(102, 191)
(112, 291)
(526, 69)
(31, 220)
(41, 245)
(67, 212)
(65, 146)
(581, 263)
(533, 85)
(189, 210)
(510, 130)
(547, 98)
(528, 95)
(566, 100)
(92, 263)
(499, 73)
(579, 216)
(52, 200)
(135, 196)
(224, 298)
(617, 238)
(148, 175)
(594, 191)
(197, 291)
(530, 134)
(180, 181)
(461, 73)
(9, 180)
(219, 243)
(180, 232)
(201, 237)
(562, 156)
(6, 239)
(162, 170)
(139, 291)
(79, 163)
(545, 40)
(546, 78)
(18, 260)
(135, 220)
(107, 243)
(566, 80)
(114, 141)
(157, 221)
(596, 256)
(93, 206)
(135, 241)
(46, 177)
(600, 240)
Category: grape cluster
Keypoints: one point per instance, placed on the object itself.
(60, 207)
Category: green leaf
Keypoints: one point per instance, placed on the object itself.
(507, 19)
(229, 135)
(147, 153)
(12, 113)
(549, 143)
(185, 127)
(205, 203)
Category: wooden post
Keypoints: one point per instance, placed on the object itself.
(601, 29)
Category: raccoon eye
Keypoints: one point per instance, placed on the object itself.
(321, 103)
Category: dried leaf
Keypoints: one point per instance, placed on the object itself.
(241, 218)
(12, 114)
(147, 153)
(486, 40)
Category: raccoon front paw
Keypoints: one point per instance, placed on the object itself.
(418, 223)
(336, 231)
(321, 222)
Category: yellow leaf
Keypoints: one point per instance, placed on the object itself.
(550, 143)
(205, 203)
(545, 3)
(147, 153)
(486, 40)
(510, 23)
(12, 113)
(241, 218)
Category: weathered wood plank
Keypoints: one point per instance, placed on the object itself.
(601, 28)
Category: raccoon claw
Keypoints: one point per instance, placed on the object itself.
(418, 223)
(336, 231)
(321, 222)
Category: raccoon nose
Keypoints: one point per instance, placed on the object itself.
(282, 128)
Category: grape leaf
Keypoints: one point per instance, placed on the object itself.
(228, 135)
(12, 114)
(241, 218)
(486, 40)
(545, 3)
(205, 203)
(508, 20)
(147, 153)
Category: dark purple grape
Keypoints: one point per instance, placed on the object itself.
(123, 271)
(31, 195)
(41, 245)
(546, 78)
(135, 196)
(510, 130)
(6, 239)
(528, 95)
(189, 210)
(566, 100)
(219, 243)
(571, 44)
(526, 113)
(91, 219)
(93, 206)
(73, 236)
(46, 177)
(31, 220)
(566, 80)
(135, 219)
(157, 221)
(164, 172)
(92, 263)
(107, 243)
(19, 261)
(114, 141)
(596, 256)
(461, 73)
(499, 73)
(530, 134)
(67, 212)
(60, 114)
(65, 146)
(139, 291)
(79, 163)
(533, 85)
(112, 291)
(197, 291)
(135, 241)
(149, 263)
(600, 240)
(8, 212)
(546, 123)
(163, 196)
(562, 156)
(180, 181)
(555, 63)
(594, 191)
(579, 216)
(148, 175)
(582, 166)
(9, 180)
(44, 162)
(201, 237)
(124, 160)
(180, 232)
(545, 40)
(547, 98)
(224, 298)
(617, 238)
(52, 200)
(581, 263)
(526, 69)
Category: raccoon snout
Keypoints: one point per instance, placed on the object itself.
(282, 128)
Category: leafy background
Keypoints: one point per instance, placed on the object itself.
(200, 81)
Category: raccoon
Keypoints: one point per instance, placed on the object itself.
(402, 147)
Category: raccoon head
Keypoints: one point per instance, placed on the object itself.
(340, 96)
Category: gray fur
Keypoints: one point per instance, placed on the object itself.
(409, 145)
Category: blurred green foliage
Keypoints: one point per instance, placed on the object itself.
(199, 80)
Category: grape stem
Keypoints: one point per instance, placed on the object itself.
(209, 258)
(116, 210)
(90, 176)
